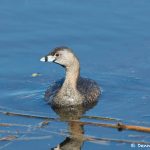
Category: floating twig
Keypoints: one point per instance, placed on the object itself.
(100, 118)
(26, 115)
(8, 138)
(94, 139)
(118, 126)
(99, 140)
(13, 124)
(55, 119)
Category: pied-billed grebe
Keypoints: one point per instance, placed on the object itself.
(73, 90)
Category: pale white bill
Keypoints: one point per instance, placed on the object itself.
(42, 59)
(49, 58)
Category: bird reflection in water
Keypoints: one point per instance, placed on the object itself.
(72, 115)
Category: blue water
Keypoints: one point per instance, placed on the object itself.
(112, 41)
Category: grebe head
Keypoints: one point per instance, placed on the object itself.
(60, 55)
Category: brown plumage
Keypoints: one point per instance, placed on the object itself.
(73, 90)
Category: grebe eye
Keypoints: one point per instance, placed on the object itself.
(57, 54)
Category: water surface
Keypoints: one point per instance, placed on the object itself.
(112, 41)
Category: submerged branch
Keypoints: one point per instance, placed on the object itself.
(8, 138)
(100, 118)
(26, 115)
(55, 119)
(118, 126)
(99, 140)
(15, 138)
(84, 138)
(13, 124)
